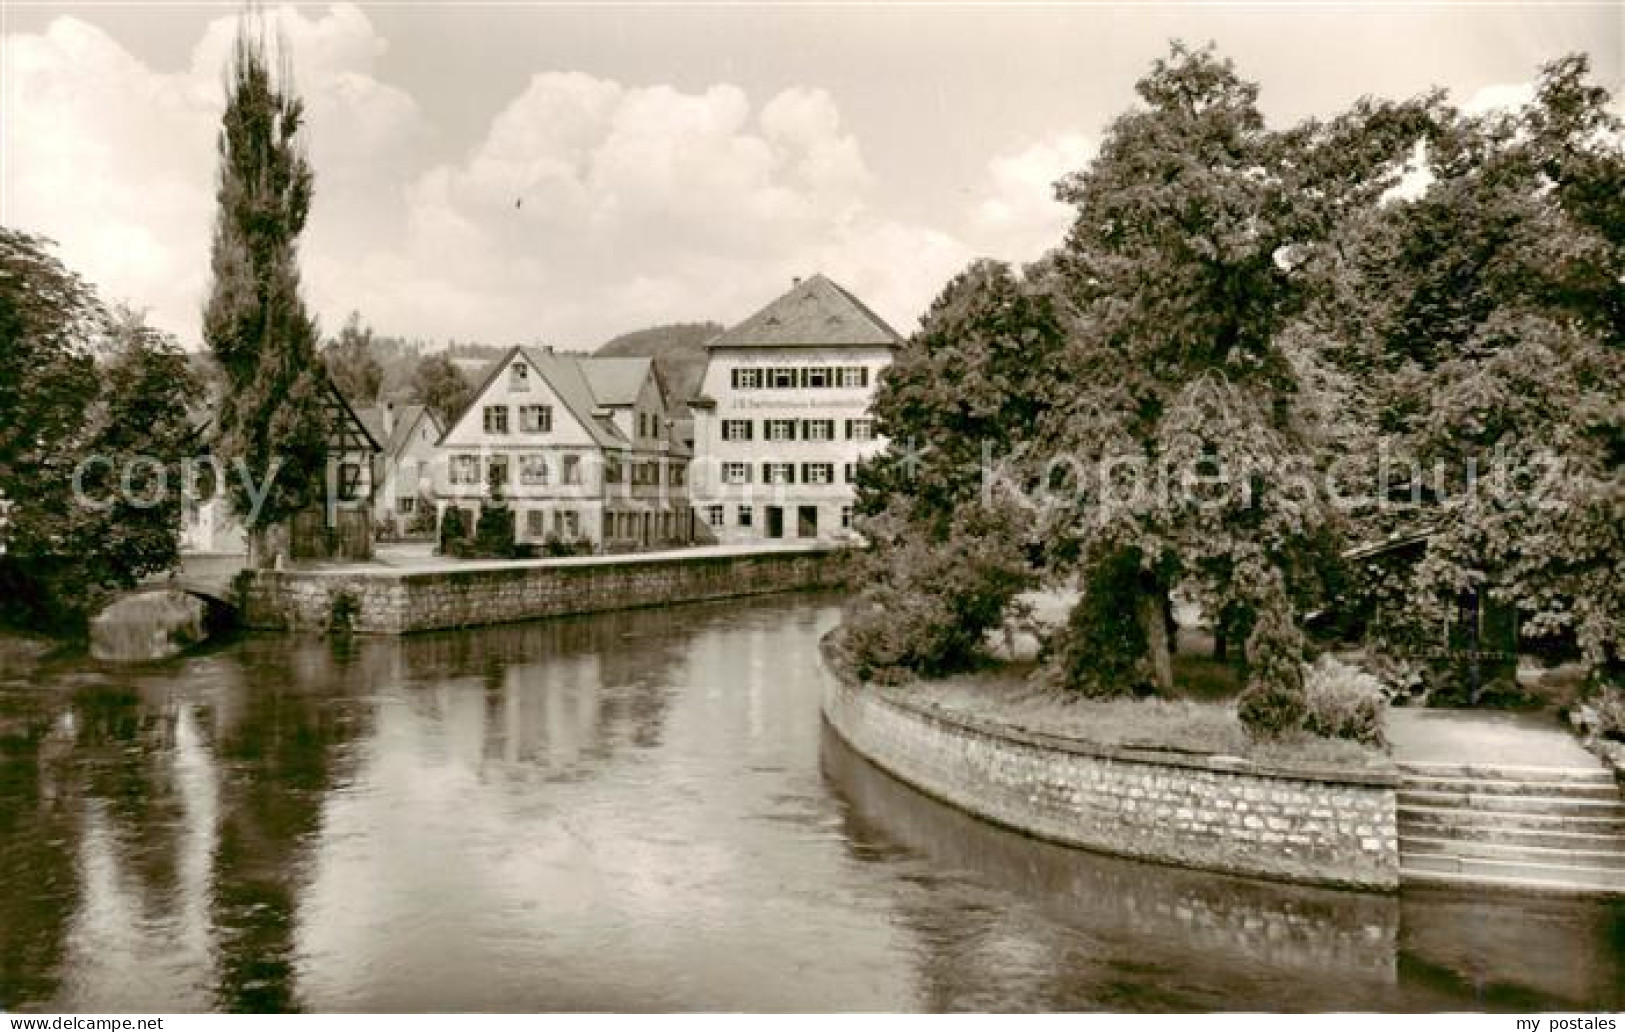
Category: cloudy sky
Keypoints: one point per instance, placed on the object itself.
(563, 173)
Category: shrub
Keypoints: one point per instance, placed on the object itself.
(929, 603)
(1343, 701)
(453, 530)
(1272, 704)
(422, 521)
(494, 530)
(1610, 707)
(1103, 651)
(554, 545)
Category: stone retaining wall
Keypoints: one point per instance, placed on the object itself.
(1217, 813)
(401, 601)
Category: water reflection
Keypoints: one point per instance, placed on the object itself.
(635, 811)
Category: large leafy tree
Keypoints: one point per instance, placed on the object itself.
(1483, 320)
(273, 422)
(1192, 425)
(92, 428)
(964, 396)
(949, 545)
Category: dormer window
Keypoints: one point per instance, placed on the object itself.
(519, 377)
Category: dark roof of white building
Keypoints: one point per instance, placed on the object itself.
(816, 312)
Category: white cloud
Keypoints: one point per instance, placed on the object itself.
(590, 206)
(586, 207)
(1020, 217)
(1415, 176)
(1507, 97)
(116, 161)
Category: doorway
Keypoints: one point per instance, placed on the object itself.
(775, 521)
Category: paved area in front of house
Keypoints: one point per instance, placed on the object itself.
(1478, 737)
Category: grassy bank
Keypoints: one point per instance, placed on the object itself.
(1205, 724)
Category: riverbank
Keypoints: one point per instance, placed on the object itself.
(1309, 822)
(374, 599)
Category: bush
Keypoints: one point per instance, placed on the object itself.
(1610, 707)
(1103, 650)
(1272, 705)
(453, 530)
(555, 546)
(930, 603)
(1343, 701)
(494, 531)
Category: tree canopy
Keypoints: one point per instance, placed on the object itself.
(93, 427)
(1201, 386)
(272, 430)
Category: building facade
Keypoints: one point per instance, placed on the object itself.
(403, 473)
(783, 416)
(339, 528)
(580, 447)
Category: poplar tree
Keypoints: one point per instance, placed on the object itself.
(271, 434)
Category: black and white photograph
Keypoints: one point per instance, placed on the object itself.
(800, 508)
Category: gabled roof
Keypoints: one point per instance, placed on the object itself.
(585, 385)
(616, 382)
(406, 418)
(348, 412)
(816, 312)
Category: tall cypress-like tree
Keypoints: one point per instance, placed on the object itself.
(273, 421)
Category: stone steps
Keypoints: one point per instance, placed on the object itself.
(1608, 852)
(1599, 788)
(1521, 820)
(1546, 832)
(1480, 774)
(1533, 828)
(1414, 876)
(1488, 799)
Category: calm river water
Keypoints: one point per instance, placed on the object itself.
(637, 811)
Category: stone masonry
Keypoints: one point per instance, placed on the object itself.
(1218, 813)
(380, 600)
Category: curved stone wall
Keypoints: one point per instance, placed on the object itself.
(1219, 813)
(404, 600)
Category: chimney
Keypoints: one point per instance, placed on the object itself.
(389, 419)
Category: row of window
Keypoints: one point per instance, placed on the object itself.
(784, 378)
(566, 523)
(797, 429)
(535, 470)
(533, 419)
(785, 472)
(716, 516)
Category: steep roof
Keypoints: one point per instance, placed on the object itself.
(406, 417)
(816, 312)
(569, 381)
(586, 385)
(615, 382)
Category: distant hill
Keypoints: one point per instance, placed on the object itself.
(678, 351)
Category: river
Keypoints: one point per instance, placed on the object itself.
(634, 811)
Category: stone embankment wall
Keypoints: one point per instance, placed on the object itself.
(401, 601)
(1219, 813)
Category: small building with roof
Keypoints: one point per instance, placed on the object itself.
(783, 415)
(581, 447)
(403, 471)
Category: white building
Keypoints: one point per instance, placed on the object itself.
(582, 448)
(783, 415)
(403, 474)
